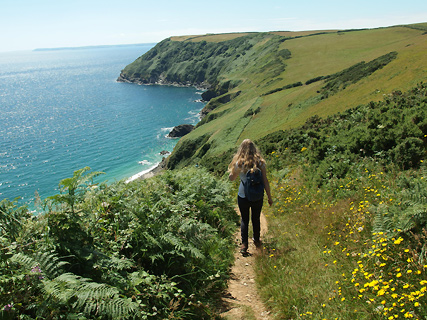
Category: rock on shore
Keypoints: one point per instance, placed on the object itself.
(181, 130)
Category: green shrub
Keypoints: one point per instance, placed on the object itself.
(150, 249)
(316, 79)
(409, 153)
(289, 86)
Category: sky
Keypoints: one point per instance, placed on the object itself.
(31, 24)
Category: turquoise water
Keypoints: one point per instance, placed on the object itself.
(63, 110)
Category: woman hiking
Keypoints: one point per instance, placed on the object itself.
(246, 162)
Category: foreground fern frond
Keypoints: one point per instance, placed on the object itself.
(91, 298)
(47, 263)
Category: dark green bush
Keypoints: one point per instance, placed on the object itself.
(289, 86)
(409, 153)
(316, 79)
(285, 53)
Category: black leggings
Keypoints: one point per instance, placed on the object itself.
(244, 206)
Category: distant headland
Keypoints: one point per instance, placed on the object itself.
(96, 47)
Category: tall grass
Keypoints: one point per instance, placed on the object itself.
(328, 255)
(348, 231)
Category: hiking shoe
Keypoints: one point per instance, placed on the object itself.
(244, 247)
(257, 243)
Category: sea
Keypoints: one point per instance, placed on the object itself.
(63, 110)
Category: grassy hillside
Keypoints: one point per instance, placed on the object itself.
(272, 62)
(347, 233)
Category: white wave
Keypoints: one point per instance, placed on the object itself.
(140, 174)
(144, 162)
(167, 129)
(194, 117)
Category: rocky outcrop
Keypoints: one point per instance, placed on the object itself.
(181, 130)
(136, 79)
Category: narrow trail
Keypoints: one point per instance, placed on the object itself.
(241, 298)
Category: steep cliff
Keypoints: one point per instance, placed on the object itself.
(186, 63)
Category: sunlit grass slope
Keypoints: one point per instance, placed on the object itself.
(347, 232)
(265, 67)
(321, 259)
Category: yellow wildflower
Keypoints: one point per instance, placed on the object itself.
(398, 241)
(381, 292)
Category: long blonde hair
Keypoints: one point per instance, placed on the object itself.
(247, 157)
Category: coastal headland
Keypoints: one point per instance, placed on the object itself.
(258, 84)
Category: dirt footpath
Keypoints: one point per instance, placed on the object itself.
(241, 300)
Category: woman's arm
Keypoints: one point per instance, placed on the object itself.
(266, 184)
(234, 173)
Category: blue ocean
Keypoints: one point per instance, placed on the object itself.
(62, 110)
